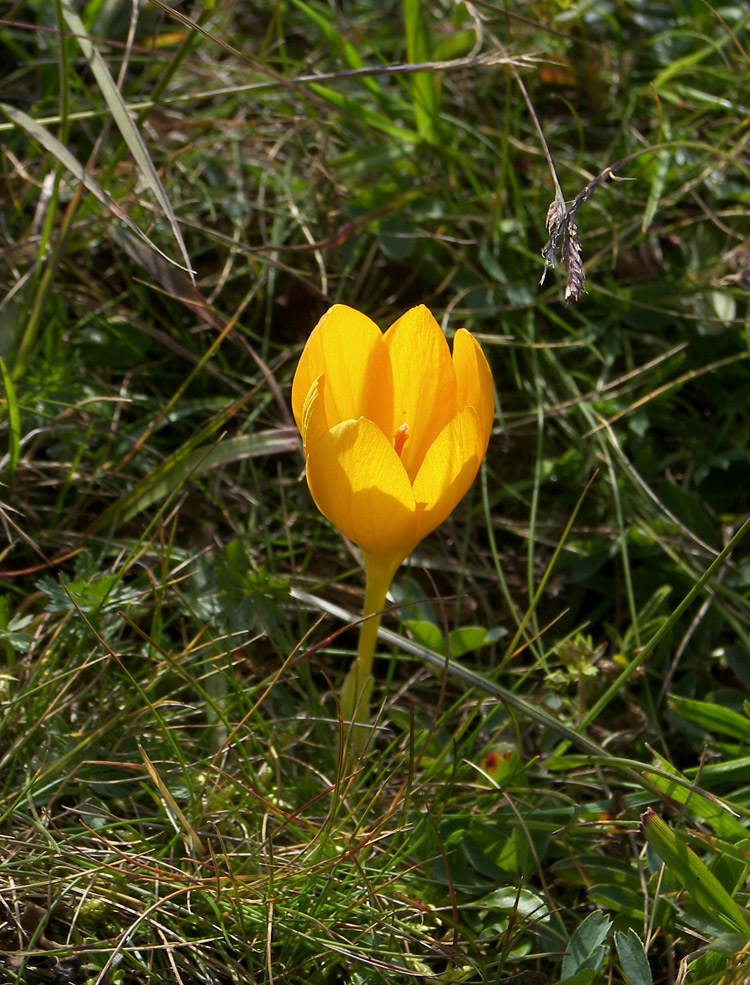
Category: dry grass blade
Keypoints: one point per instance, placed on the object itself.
(71, 163)
(126, 126)
(190, 835)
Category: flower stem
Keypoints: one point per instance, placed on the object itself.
(357, 686)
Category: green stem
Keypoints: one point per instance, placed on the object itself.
(357, 686)
(378, 581)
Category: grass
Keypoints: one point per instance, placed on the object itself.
(184, 193)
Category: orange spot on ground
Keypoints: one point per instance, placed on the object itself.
(491, 762)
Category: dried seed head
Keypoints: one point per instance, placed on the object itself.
(571, 258)
(562, 227)
(555, 216)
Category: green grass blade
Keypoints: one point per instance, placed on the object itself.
(656, 192)
(713, 718)
(126, 125)
(700, 583)
(424, 87)
(697, 879)
(350, 54)
(14, 420)
(636, 772)
(361, 113)
(511, 648)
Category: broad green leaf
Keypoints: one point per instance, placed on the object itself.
(398, 237)
(696, 878)
(521, 901)
(467, 638)
(586, 948)
(481, 861)
(583, 977)
(618, 899)
(426, 633)
(453, 44)
(633, 958)
(591, 870)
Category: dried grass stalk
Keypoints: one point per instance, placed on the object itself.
(561, 226)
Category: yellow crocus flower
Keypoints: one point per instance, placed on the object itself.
(394, 428)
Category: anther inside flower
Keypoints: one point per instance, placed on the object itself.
(401, 435)
(394, 426)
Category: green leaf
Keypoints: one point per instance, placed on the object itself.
(101, 593)
(585, 949)
(350, 54)
(583, 977)
(658, 182)
(633, 958)
(618, 899)
(708, 967)
(373, 159)
(703, 807)
(453, 44)
(465, 639)
(398, 237)
(696, 878)
(426, 633)
(512, 900)
(733, 772)
(481, 861)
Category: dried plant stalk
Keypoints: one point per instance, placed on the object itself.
(561, 226)
(561, 218)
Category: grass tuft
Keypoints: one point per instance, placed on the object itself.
(557, 785)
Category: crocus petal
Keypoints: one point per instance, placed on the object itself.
(314, 416)
(348, 348)
(474, 379)
(424, 382)
(449, 468)
(358, 482)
